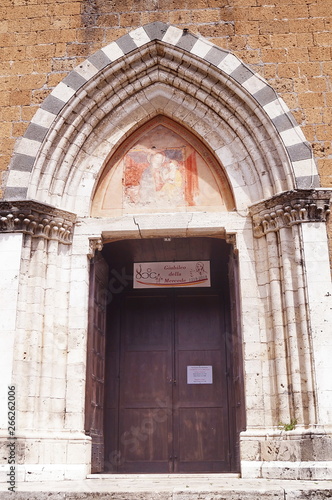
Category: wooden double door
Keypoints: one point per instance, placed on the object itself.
(166, 393)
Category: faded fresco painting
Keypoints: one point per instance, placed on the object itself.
(162, 171)
(160, 177)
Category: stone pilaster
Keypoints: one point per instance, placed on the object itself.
(290, 236)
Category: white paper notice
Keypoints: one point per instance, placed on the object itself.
(199, 374)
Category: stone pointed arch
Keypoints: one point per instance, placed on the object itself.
(160, 69)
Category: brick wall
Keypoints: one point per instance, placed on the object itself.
(289, 42)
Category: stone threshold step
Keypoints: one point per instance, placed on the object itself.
(171, 487)
(171, 477)
(180, 495)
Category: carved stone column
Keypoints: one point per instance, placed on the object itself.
(286, 227)
(49, 420)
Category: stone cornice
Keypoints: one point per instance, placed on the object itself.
(37, 219)
(289, 208)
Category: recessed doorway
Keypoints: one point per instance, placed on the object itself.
(170, 401)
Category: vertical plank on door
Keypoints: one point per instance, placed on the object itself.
(201, 436)
(237, 412)
(94, 394)
(145, 408)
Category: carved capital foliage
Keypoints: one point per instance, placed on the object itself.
(231, 240)
(289, 208)
(37, 220)
(94, 245)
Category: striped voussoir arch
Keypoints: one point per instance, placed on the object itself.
(298, 149)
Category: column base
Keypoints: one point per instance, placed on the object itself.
(286, 470)
(276, 454)
(46, 456)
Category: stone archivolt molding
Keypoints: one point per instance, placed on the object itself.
(128, 78)
(37, 220)
(287, 209)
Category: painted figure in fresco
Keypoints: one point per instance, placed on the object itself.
(162, 178)
(161, 182)
(152, 179)
(172, 189)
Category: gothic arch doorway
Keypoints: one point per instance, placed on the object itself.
(279, 221)
(145, 412)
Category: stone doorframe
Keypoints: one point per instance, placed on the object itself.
(279, 223)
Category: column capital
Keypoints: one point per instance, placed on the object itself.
(289, 208)
(95, 244)
(37, 220)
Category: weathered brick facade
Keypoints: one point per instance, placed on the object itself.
(289, 43)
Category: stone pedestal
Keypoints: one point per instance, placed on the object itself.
(48, 456)
(295, 454)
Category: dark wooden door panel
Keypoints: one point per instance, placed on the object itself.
(201, 437)
(111, 415)
(143, 440)
(154, 420)
(112, 453)
(94, 394)
(237, 415)
(147, 379)
(146, 363)
(202, 444)
(146, 323)
(198, 320)
(192, 395)
(165, 424)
